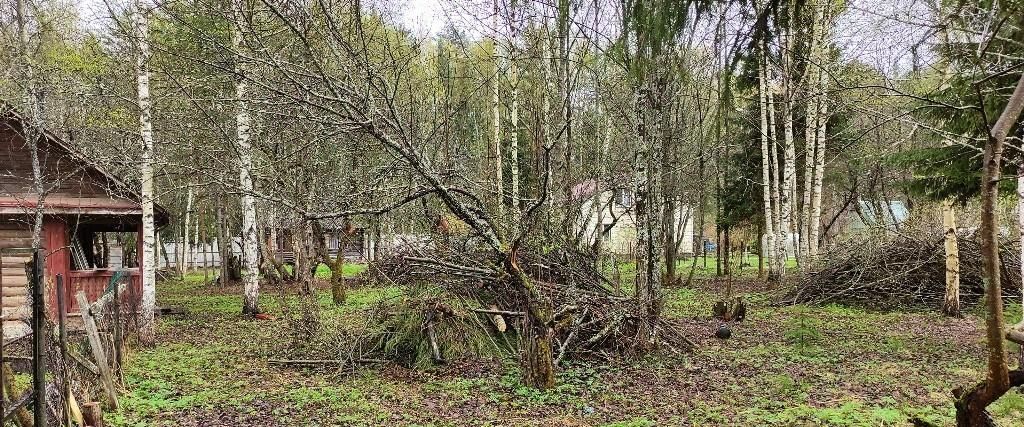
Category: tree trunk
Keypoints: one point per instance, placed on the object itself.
(147, 332)
(537, 355)
(224, 243)
(1020, 229)
(779, 260)
(499, 192)
(971, 406)
(951, 304)
(183, 257)
(820, 43)
(513, 143)
(250, 236)
(788, 193)
(34, 123)
(338, 288)
(648, 215)
(767, 243)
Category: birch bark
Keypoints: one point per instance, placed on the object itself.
(185, 256)
(773, 149)
(147, 333)
(243, 123)
(513, 143)
(951, 304)
(496, 118)
(769, 231)
(820, 57)
(788, 192)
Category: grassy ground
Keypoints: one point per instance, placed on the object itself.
(798, 366)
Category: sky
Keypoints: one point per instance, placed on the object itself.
(877, 32)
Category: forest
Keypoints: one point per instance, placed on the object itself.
(512, 212)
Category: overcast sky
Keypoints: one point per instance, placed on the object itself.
(877, 32)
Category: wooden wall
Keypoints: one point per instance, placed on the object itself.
(72, 178)
(14, 282)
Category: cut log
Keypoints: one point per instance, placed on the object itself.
(92, 414)
(1015, 334)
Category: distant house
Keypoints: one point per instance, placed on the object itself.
(886, 214)
(863, 215)
(354, 238)
(607, 213)
(82, 202)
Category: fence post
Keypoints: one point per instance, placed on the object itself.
(117, 321)
(62, 316)
(38, 335)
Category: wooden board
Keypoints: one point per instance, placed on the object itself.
(12, 276)
(14, 291)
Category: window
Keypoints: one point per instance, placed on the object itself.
(624, 197)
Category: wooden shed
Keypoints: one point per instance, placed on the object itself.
(81, 201)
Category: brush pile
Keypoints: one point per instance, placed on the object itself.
(902, 271)
(460, 303)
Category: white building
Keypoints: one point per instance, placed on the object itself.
(610, 216)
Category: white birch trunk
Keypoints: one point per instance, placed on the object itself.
(814, 227)
(513, 144)
(250, 236)
(821, 115)
(183, 261)
(810, 147)
(773, 148)
(768, 244)
(193, 261)
(546, 111)
(951, 305)
(1020, 227)
(147, 331)
(788, 192)
(496, 136)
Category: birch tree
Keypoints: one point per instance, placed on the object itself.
(499, 189)
(819, 57)
(787, 193)
(250, 236)
(951, 302)
(766, 193)
(147, 332)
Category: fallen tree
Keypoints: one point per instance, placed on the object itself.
(901, 270)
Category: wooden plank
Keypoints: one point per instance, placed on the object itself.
(16, 270)
(13, 291)
(8, 234)
(97, 350)
(15, 301)
(15, 261)
(16, 242)
(14, 281)
(85, 363)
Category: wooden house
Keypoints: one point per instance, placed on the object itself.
(607, 212)
(357, 239)
(81, 201)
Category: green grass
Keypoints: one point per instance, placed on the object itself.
(705, 267)
(828, 365)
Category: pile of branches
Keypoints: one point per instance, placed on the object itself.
(902, 270)
(461, 303)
